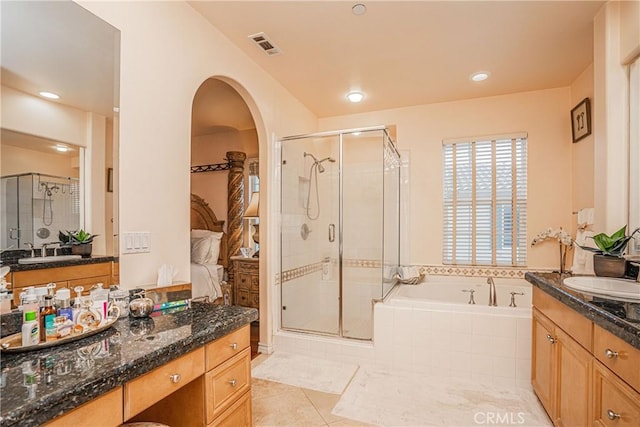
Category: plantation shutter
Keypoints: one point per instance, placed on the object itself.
(485, 201)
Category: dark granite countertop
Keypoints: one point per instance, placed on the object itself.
(40, 385)
(90, 260)
(551, 283)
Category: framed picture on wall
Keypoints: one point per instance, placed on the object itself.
(581, 120)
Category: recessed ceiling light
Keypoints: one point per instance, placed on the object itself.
(49, 95)
(359, 9)
(480, 76)
(62, 148)
(355, 96)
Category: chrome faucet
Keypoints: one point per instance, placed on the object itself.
(43, 251)
(30, 246)
(493, 301)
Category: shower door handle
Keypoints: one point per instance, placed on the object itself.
(332, 232)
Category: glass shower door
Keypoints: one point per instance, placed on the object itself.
(310, 288)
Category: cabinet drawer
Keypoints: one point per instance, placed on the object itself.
(575, 324)
(239, 414)
(617, 355)
(144, 391)
(243, 298)
(614, 402)
(103, 411)
(248, 267)
(227, 346)
(46, 275)
(226, 383)
(244, 281)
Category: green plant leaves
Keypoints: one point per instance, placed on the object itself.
(613, 245)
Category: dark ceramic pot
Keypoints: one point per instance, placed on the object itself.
(608, 266)
(83, 249)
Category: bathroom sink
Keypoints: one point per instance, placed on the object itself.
(618, 289)
(44, 259)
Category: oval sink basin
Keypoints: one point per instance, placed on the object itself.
(618, 289)
(44, 259)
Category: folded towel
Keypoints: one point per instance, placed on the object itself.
(585, 218)
(583, 260)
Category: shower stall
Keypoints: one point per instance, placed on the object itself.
(340, 220)
(35, 207)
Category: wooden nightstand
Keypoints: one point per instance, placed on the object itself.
(246, 281)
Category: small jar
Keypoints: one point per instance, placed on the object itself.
(120, 298)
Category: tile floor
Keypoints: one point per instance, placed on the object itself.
(276, 404)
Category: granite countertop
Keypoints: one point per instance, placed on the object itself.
(551, 283)
(90, 260)
(40, 385)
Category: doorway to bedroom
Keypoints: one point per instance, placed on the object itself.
(225, 189)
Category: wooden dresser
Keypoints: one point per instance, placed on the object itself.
(246, 282)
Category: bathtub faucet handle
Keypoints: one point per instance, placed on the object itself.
(471, 299)
(513, 298)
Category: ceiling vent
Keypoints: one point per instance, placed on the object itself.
(263, 42)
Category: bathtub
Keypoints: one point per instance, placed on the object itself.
(446, 294)
(430, 328)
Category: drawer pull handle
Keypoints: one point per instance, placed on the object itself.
(551, 339)
(233, 383)
(175, 378)
(610, 353)
(234, 346)
(612, 415)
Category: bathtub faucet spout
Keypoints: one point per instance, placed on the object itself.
(493, 300)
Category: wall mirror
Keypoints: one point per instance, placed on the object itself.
(58, 156)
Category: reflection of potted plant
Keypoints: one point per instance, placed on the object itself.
(80, 241)
(608, 260)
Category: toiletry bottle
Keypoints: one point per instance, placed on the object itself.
(30, 329)
(47, 319)
(77, 305)
(63, 296)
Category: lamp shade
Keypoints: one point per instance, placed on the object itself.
(252, 210)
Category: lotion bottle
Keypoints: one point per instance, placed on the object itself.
(30, 329)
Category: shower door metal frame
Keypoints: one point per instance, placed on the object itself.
(340, 134)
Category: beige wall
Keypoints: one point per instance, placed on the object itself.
(209, 149)
(167, 51)
(421, 129)
(629, 30)
(17, 160)
(582, 163)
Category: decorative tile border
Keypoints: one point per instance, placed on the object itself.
(432, 270)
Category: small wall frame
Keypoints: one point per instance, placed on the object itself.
(581, 120)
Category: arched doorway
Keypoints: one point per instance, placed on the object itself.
(225, 176)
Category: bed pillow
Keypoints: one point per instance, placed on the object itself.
(205, 246)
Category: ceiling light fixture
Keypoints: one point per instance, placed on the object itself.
(355, 96)
(49, 95)
(359, 9)
(480, 76)
(61, 148)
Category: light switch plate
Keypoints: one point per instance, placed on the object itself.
(136, 242)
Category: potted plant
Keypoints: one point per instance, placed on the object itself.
(80, 241)
(608, 260)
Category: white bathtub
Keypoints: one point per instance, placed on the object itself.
(447, 294)
(430, 328)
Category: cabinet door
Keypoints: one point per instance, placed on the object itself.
(614, 402)
(543, 361)
(573, 376)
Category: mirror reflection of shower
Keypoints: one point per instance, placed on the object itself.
(316, 167)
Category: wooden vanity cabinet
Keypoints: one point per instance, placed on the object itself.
(104, 411)
(582, 374)
(216, 387)
(561, 372)
(85, 275)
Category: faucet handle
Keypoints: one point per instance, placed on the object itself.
(513, 298)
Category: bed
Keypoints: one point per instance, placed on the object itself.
(209, 253)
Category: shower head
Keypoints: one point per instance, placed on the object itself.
(331, 159)
(318, 163)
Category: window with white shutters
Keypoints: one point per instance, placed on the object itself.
(485, 201)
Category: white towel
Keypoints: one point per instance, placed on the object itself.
(585, 218)
(583, 260)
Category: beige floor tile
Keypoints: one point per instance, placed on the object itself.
(258, 360)
(263, 388)
(291, 408)
(350, 423)
(324, 403)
